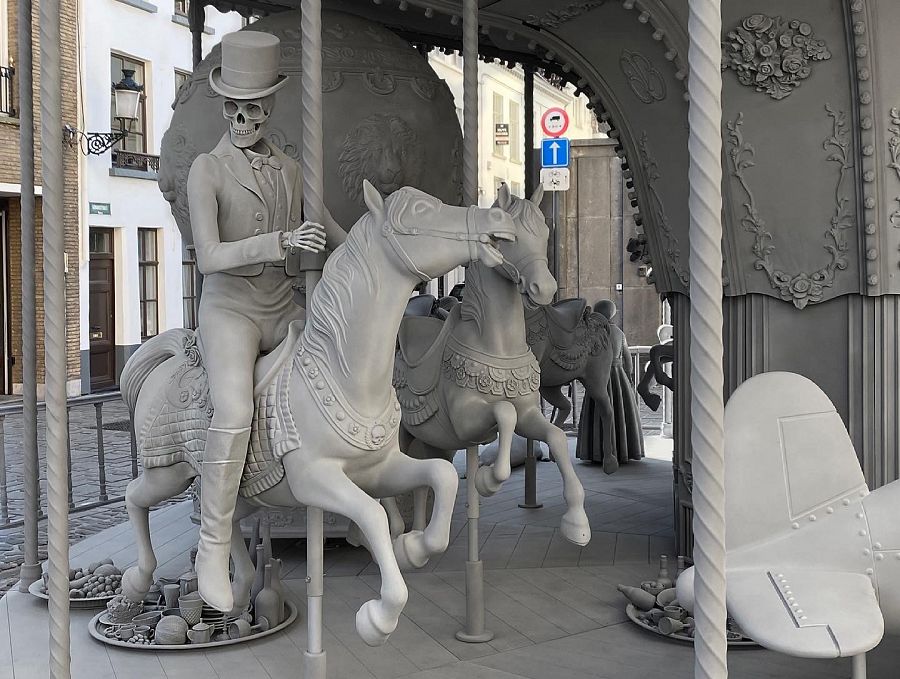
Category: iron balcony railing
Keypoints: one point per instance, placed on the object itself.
(101, 462)
(7, 105)
(132, 160)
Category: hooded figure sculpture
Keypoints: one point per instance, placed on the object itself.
(245, 201)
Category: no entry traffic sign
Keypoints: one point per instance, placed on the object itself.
(555, 122)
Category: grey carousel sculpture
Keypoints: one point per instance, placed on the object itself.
(595, 425)
(572, 342)
(315, 420)
(472, 378)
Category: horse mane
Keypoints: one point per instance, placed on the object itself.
(474, 300)
(328, 316)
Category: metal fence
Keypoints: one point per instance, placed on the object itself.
(102, 455)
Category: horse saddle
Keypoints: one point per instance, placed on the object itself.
(420, 306)
(417, 366)
(563, 319)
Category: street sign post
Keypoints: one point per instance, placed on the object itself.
(555, 152)
(555, 122)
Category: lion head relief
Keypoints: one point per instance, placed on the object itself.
(383, 149)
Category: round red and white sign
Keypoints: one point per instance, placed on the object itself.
(555, 122)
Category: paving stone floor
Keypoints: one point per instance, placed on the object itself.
(552, 606)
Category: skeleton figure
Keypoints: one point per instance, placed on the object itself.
(245, 200)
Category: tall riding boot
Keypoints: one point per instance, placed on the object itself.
(223, 464)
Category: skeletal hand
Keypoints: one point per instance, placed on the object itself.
(308, 236)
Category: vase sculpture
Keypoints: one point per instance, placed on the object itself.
(268, 603)
(277, 585)
(663, 580)
(642, 600)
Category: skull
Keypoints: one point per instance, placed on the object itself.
(247, 117)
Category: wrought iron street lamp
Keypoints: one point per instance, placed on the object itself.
(127, 100)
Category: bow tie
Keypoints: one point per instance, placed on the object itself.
(258, 162)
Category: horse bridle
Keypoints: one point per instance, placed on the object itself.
(390, 232)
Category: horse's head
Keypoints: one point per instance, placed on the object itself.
(431, 238)
(526, 257)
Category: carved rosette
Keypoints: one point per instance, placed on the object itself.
(772, 54)
(801, 288)
(554, 18)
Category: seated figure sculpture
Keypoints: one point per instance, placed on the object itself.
(245, 199)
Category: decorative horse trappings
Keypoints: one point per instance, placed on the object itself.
(572, 342)
(325, 432)
(464, 380)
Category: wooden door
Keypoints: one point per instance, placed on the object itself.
(5, 305)
(101, 310)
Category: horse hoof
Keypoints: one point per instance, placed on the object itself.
(409, 550)
(610, 464)
(485, 483)
(575, 527)
(368, 628)
(134, 585)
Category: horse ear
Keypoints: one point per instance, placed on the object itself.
(504, 198)
(538, 195)
(373, 199)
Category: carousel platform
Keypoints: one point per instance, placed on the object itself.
(553, 607)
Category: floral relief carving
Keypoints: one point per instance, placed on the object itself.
(670, 243)
(644, 79)
(894, 150)
(801, 288)
(555, 18)
(772, 54)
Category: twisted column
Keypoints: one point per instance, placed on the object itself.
(707, 405)
(55, 339)
(470, 102)
(31, 567)
(314, 210)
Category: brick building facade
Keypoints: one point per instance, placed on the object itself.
(10, 180)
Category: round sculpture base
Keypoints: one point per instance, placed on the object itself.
(98, 631)
(531, 505)
(474, 638)
(734, 639)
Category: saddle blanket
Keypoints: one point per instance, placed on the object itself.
(177, 430)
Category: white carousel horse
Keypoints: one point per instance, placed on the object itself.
(326, 430)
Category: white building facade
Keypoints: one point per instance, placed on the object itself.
(136, 279)
(502, 156)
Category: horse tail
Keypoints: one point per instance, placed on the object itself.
(151, 355)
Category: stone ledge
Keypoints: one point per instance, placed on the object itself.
(141, 4)
(182, 20)
(9, 120)
(134, 174)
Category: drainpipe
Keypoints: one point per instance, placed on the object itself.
(530, 184)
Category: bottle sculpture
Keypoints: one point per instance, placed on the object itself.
(642, 600)
(268, 603)
(259, 580)
(254, 540)
(278, 585)
(663, 579)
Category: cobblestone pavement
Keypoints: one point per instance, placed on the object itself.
(85, 480)
(117, 447)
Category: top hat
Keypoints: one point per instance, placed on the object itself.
(249, 69)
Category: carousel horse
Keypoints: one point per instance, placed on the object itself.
(572, 342)
(325, 433)
(660, 354)
(463, 381)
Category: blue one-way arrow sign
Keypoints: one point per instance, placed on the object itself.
(555, 152)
